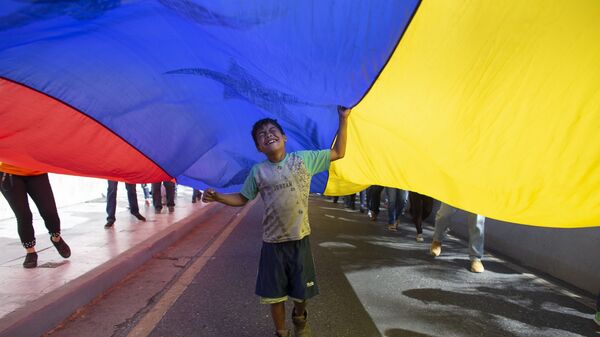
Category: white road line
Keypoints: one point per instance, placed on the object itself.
(153, 317)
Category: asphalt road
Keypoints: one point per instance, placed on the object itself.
(373, 283)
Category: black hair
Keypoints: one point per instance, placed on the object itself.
(262, 123)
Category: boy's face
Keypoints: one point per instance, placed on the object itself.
(269, 139)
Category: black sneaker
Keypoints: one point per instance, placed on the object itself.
(109, 224)
(62, 247)
(139, 216)
(157, 210)
(30, 260)
(171, 209)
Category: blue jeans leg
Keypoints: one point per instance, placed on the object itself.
(442, 221)
(111, 200)
(394, 200)
(132, 197)
(476, 225)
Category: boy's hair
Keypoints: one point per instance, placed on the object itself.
(262, 123)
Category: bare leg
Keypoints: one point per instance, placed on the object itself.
(278, 314)
(299, 308)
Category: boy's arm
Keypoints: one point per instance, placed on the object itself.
(339, 148)
(230, 199)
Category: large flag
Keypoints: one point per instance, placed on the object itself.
(493, 107)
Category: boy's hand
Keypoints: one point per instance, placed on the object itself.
(343, 112)
(209, 195)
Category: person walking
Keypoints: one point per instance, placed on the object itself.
(476, 229)
(16, 184)
(111, 203)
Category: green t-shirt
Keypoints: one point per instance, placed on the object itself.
(284, 188)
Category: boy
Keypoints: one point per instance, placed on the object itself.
(283, 180)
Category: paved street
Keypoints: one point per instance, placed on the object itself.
(373, 283)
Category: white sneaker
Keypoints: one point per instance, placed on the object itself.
(420, 238)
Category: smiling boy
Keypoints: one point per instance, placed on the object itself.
(286, 267)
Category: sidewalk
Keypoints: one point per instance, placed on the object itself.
(34, 300)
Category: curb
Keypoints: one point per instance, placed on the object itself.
(46, 312)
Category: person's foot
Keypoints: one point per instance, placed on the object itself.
(147, 202)
(109, 224)
(436, 248)
(171, 209)
(597, 317)
(420, 238)
(477, 266)
(193, 200)
(30, 260)
(139, 216)
(392, 228)
(301, 328)
(62, 247)
(284, 333)
(157, 210)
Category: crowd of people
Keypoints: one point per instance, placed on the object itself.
(419, 207)
(18, 184)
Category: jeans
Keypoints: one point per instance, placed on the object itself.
(362, 199)
(15, 189)
(111, 200)
(146, 191)
(395, 204)
(157, 194)
(475, 223)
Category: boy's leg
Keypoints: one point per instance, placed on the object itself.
(278, 315)
(300, 319)
(299, 308)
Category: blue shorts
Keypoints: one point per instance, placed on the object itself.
(286, 269)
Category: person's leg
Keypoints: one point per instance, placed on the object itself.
(399, 203)
(392, 209)
(406, 204)
(170, 191)
(376, 200)
(40, 191)
(427, 206)
(146, 191)
(111, 202)
(362, 200)
(352, 201)
(416, 208)
(156, 197)
(303, 284)
(442, 221)
(272, 282)
(300, 319)
(133, 203)
(391, 196)
(278, 315)
(38, 187)
(476, 224)
(14, 190)
(132, 198)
